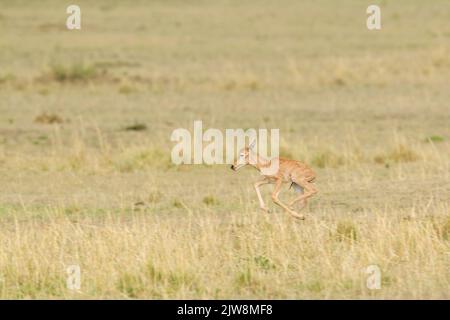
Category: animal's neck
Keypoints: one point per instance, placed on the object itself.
(259, 162)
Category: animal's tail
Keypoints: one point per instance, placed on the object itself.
(293, 184)
(297, 188)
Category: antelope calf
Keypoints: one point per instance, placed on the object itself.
(300, 175)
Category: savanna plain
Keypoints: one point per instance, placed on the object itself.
(86, 176)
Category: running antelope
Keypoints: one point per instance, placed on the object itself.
(300, 175)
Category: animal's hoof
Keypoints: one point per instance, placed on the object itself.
(265, 210)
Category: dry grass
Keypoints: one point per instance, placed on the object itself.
(85, 170)
(198, 255)
(138, 232)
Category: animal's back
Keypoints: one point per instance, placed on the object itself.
(297, 168)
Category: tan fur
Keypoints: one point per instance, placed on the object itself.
(289, 171)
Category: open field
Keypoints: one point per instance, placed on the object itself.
(85, 124)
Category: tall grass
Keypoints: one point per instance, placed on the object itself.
(240, 255)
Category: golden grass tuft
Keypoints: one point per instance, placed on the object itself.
(327, 159)
(48, 118)
(399, 154)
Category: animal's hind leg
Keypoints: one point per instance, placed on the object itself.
(277, 201)
(298, 190)
(309, 190)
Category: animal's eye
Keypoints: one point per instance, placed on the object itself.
(242, 154)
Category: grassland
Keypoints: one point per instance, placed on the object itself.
(85, 124)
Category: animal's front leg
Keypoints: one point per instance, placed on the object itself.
(262, 205)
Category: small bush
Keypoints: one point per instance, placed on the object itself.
(126, 89)
(403, 154)
(136, 127)
(346, 231)
(434, 139)
(74, 73)
(244, 278)
(40, 140)
(153, 274)
(443, 229)
(210, 201)
(446, 229)
(7, 78)
(177, 204)
(131, 285)
(380, 159)
(45, 118)
(315, 286)
(264, 263)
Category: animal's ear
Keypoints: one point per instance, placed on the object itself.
(252, 145)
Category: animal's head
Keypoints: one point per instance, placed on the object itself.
(243, 157)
